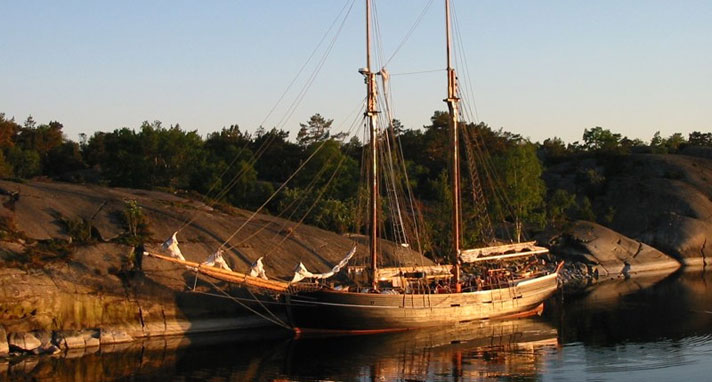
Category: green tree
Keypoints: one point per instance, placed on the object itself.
(657, 144)
(673, 142)
(600, 139)
(25, 163)
(279, 158)
(224, 166)
(697, 138)
(326, 159)
(137, 224)
(42, 138)
(520, 172)
(439, 218)
(316, 129)
(584, 210)
(153, 157)
(558, 206)
(397, 127)
(334, 215)
(64, 158)
(553, 150)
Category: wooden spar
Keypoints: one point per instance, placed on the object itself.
(388, 272)
(500, 249)
(225, 275)
(373, 173)
(452, 104)
(502, 252)
(473, 258)
(385, 273)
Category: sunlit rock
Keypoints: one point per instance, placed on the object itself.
(23, 341)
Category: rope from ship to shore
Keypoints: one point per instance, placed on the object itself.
(273, 319)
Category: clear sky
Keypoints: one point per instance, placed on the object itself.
(538, 68)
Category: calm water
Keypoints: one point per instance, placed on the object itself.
(656, 329)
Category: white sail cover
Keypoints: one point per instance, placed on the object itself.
(216, 260)
(171, 246)
(257, 269)
(301, 272)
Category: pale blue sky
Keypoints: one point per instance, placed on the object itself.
(542, 69)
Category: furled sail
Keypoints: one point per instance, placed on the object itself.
(301, 272)
(217, 260)
(171, 246)
(257, 269)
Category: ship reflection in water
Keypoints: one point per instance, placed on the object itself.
(645, 329)
(466, 351)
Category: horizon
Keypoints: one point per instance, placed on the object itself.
(542, 71)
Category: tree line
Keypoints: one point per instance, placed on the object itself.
(325, 190)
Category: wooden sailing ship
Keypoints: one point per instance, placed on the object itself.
(399, 298)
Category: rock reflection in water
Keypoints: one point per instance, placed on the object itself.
(637, 330)
(166, 358)
(464, 352)
(638, 310)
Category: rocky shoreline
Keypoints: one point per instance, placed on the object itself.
(70, 286)
(594, 254)
(68, 290)
(45, 313)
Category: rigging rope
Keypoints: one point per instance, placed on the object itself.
(310, 81)
(273, 319)
(410, 32)
(223, 294)
(401, 159)
(316, 48)
(288, 115)
(316, 201)
(296, 203)
(471, 113)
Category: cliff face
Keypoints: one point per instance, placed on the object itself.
(663, 201)
(50, 282)
(37, 208)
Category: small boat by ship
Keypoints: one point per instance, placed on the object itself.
(500, 280)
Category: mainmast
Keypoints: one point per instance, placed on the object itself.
(373, 172)
(452, 104)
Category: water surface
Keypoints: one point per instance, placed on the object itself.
(651, 329)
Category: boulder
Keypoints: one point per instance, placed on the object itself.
(43, 336)
(69, 340)
(608, 254)
(77, 339)
(46, 347)
(23, 341)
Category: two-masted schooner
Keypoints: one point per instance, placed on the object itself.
(398, 298)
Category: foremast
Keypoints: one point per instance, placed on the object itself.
(370, 113)
(452, 104)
